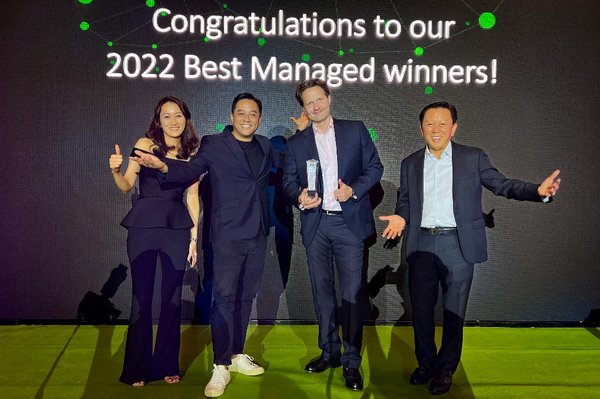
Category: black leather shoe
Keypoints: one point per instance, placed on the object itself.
(441, 383)
(321, 364)
(420, 376)
(353, 378)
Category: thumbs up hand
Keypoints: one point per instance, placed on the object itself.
(116, 160)
(343, 192)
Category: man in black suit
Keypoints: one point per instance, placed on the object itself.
(238, 163)
(334, 222)
(439, 203)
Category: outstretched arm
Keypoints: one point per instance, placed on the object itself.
(550, 186)
(396, 224)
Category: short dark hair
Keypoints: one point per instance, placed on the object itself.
(440, 104)
(246, 96)
(307, 84)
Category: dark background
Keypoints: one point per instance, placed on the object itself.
(61, 116)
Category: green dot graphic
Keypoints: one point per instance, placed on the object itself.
(225, 6)
(85, 1)
(428, 90)
(109, 43)
(467, 23)
(419, 51)
(373, 134)
(487, 20)
(305, 57)
(84, 25)
(163, 14)
(157, 69)
(220, 127)
(150, 3)
(113, 62)
(261, 41)
(154, 46)
(341, 53)
(206, 40)
(351, 50)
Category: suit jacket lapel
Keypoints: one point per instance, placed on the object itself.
(419, 175)
(237, 151)
(265, 145)
(458, 166)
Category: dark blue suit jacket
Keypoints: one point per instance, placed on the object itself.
(471, 170)
(358, 166)
(239, 199)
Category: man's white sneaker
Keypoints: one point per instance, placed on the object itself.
(245, 364)
(218, 382)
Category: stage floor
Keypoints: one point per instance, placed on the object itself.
(69, 362)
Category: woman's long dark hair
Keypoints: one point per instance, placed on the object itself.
(189, 138)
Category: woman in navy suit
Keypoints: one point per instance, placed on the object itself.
(162, 224)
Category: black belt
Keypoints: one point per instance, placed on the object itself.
(437, 230)
(330, 213)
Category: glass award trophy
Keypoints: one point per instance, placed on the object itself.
(312, 166)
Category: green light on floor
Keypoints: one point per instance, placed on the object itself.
(220, 127)
(150, 3)
(305, 57)
(261, 41)
(419, 51)
(154, 46)
(487, 20)
(373, 134)
(428, 90)
(84, 26)
(85, 1)
(109, 43)
(341, 53)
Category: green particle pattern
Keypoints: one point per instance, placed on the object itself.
(487, 20)
(341, 53)
(154, 46)
(150, 3)
(373, 134)
(109, 43)
(305, 57)
(428, 90)
(84, 26)
(419, 51)
(261, 41)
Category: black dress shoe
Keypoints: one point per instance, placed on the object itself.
(441, 383)
(420, 376)
(321, 364)
(353, 378)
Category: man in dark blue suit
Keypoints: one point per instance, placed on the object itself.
(335, 221)
(439, 203)
(238, 163)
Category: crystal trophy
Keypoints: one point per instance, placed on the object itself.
(312, 166)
